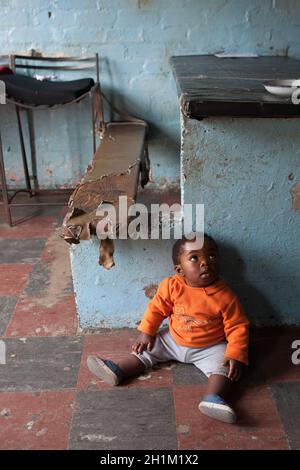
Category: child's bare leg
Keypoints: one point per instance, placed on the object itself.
(113, 373)
(219, 385)
(131, 365)
(213, 403)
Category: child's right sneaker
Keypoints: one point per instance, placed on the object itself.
(215, 407)
(106, 370)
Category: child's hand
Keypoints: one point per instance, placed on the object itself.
(235, 368)
(143, 342)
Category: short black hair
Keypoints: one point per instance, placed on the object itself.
(179, 244)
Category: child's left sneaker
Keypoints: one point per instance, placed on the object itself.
(106, 370)
(215, 407)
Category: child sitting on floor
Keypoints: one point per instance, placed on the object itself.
(207, 327)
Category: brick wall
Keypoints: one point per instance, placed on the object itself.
(135, 39)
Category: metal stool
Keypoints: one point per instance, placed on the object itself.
(29, 93)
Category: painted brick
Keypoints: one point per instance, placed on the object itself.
(75, 27)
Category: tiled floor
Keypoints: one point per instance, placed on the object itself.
(50, 400)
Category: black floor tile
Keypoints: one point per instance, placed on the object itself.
(41, 363)
(38, 280)
(21, 250)
(252, 375)
(188, 374)
(7, 306)
(287, 399)
(124, 418)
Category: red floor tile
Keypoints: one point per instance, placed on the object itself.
(258, 427)
(32, 318)
(37, 421)
(36, 227)
(13, 278)
(116, 345)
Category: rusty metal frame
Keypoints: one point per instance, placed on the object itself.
(96, 111)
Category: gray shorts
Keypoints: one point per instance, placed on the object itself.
(208, 359)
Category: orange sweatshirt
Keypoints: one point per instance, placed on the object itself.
(199, 316)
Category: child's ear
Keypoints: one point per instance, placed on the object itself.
(178, 269)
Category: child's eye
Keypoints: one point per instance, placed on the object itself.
(212, 256)
(193, 258)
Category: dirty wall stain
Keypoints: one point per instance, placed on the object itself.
(295, 192)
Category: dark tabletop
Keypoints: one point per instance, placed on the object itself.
(212, 86)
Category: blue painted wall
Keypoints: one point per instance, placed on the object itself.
(135, 39)
(117, 298)
(243, 171)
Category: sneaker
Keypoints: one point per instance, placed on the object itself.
(215, 407)
(105, 370)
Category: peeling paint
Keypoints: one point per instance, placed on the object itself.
(263, 202)
(11, 176)
(295, 192)
(106, 253)
(150, 290)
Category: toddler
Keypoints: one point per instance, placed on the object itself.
(207, 328)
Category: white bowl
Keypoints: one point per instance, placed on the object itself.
(283, 88)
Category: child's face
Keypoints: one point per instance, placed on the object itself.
(199, 267)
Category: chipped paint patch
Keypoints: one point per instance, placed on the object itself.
(145, 377)
(295, 192)
(183, 429)
(98, 438)
(150, 290)
(29, 425)
(13, 177)
(5, 412)
(42, 432)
